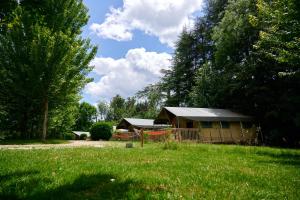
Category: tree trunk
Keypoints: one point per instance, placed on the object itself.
(45, 123)
(23, 126)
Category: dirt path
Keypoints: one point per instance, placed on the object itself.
(72, 144)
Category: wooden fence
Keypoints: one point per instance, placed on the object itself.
(181, 134)
(216, 136)
(188, 134)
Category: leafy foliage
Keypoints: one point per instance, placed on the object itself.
(242, 55)
(145, 104)
(86, 116)
(101, 130)
(102, 109)
(43, 62)
(116, 109)
(69, 136)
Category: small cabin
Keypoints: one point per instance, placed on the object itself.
(134, 123)
(209, 125)
(77, 134)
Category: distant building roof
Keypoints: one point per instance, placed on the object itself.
(78, 133)
(140, 123)
(202, 114)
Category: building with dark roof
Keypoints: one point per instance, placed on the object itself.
(209, 125)
(135, 123)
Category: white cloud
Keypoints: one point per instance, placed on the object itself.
(162, 18)
(127, 75)
(111, 28)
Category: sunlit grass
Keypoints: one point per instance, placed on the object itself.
(189, 171)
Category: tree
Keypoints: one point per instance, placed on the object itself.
(86, 117)
(102, 109)
(179, 79)
(151, 99)
(130, 108)
(277, 75)
(50, 63)
(63, 118)
(279, 21)
(204, 93)
(194, 49)
(6, 8)
(116, 109)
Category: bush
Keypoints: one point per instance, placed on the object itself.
(101, 130)
(68, 136)
(83, 136)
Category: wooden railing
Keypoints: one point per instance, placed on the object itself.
(127, 136)
(216, 136)
(186, 134)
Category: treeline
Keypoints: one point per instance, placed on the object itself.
(146, 105)
(139, 106)
(243, 55)
(43, 66)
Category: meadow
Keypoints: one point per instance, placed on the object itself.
(183, 171)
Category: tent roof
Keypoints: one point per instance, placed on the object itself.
(81, 132)
(140, 123)
(205, 114)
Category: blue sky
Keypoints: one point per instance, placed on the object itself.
(135, 40)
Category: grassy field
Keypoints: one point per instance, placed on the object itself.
(23, 142)
(192, 171)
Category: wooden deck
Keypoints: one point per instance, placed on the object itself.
(216, 136)
(191, 134)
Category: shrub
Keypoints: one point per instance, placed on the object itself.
(83, 136)
(68, 136)
(101, 130)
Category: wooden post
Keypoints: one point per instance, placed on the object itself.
(142, 137)
(242, 132)
(178, 131)
(221, 131)
(231, 135)
(261, 135)
(179, 135)
(45, 122)
(200, 132)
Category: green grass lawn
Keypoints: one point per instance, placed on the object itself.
(193, 171)
(23, 142)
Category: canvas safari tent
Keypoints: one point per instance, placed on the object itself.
(209, 125)
(134, 123)
(77, 134)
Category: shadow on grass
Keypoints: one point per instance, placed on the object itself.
(33, 141)
(12, 183)
(17, 174)
(97, 186)
(283, 158)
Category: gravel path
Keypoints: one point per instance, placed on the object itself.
(72, 144)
